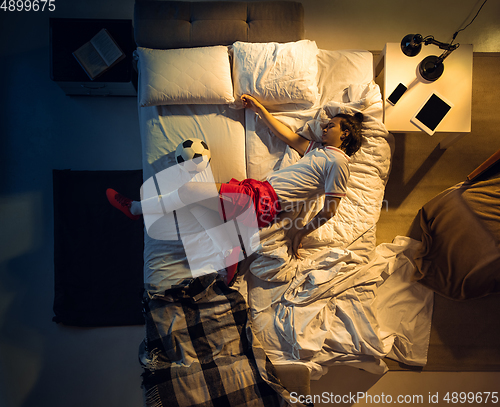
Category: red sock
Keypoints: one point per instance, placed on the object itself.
(121, 203)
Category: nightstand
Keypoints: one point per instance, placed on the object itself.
(68, 34)
(393, 67)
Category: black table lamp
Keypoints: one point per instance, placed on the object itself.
(431, 67)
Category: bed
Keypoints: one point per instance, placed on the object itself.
(347, 301)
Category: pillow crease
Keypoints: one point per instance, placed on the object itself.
(276, 74)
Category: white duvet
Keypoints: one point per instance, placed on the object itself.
(342, 302)
(341, 309)
(347, 301)
(358, 211)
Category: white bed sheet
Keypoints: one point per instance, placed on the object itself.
(235, 153)
(345, 306)
(338, 304)
(162, 128)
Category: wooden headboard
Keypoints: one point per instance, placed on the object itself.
(183, 24)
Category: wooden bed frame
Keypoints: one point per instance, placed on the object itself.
(181, 24)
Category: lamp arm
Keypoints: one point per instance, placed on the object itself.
(448, 48)
(447, 52)
(431, 40)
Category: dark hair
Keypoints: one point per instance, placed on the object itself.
(353, 124)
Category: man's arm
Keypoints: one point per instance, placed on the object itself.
(323, 216)
(280, 130)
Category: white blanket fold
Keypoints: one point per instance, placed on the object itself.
(357, 212)
(338, 304)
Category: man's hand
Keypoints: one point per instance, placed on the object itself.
(251, 103)
(329, 209)
(296, 242)
(279, 129)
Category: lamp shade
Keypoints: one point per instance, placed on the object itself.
(431, 68)
(411, 44)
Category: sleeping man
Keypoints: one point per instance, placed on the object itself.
(322, 170)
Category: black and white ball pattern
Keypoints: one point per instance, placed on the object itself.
(192, 155)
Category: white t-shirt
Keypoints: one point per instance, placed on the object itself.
(321, 171)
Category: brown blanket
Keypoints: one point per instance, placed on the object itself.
(460, 255)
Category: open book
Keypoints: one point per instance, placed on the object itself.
(99, 54)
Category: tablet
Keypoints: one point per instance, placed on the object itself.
(431, 113)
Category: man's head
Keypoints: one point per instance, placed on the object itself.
(351, 131)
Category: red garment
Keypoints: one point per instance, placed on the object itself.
(236, 198)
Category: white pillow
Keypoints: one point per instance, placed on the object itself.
(340, 69)
(184, 76)
(276, 74)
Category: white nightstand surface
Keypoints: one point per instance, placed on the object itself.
(455, 85)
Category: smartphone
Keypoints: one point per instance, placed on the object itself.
(396, 94)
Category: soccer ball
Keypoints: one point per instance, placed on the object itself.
(192, 155)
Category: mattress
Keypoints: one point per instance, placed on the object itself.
(342, 302)
(239, 147)
(162, 129)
